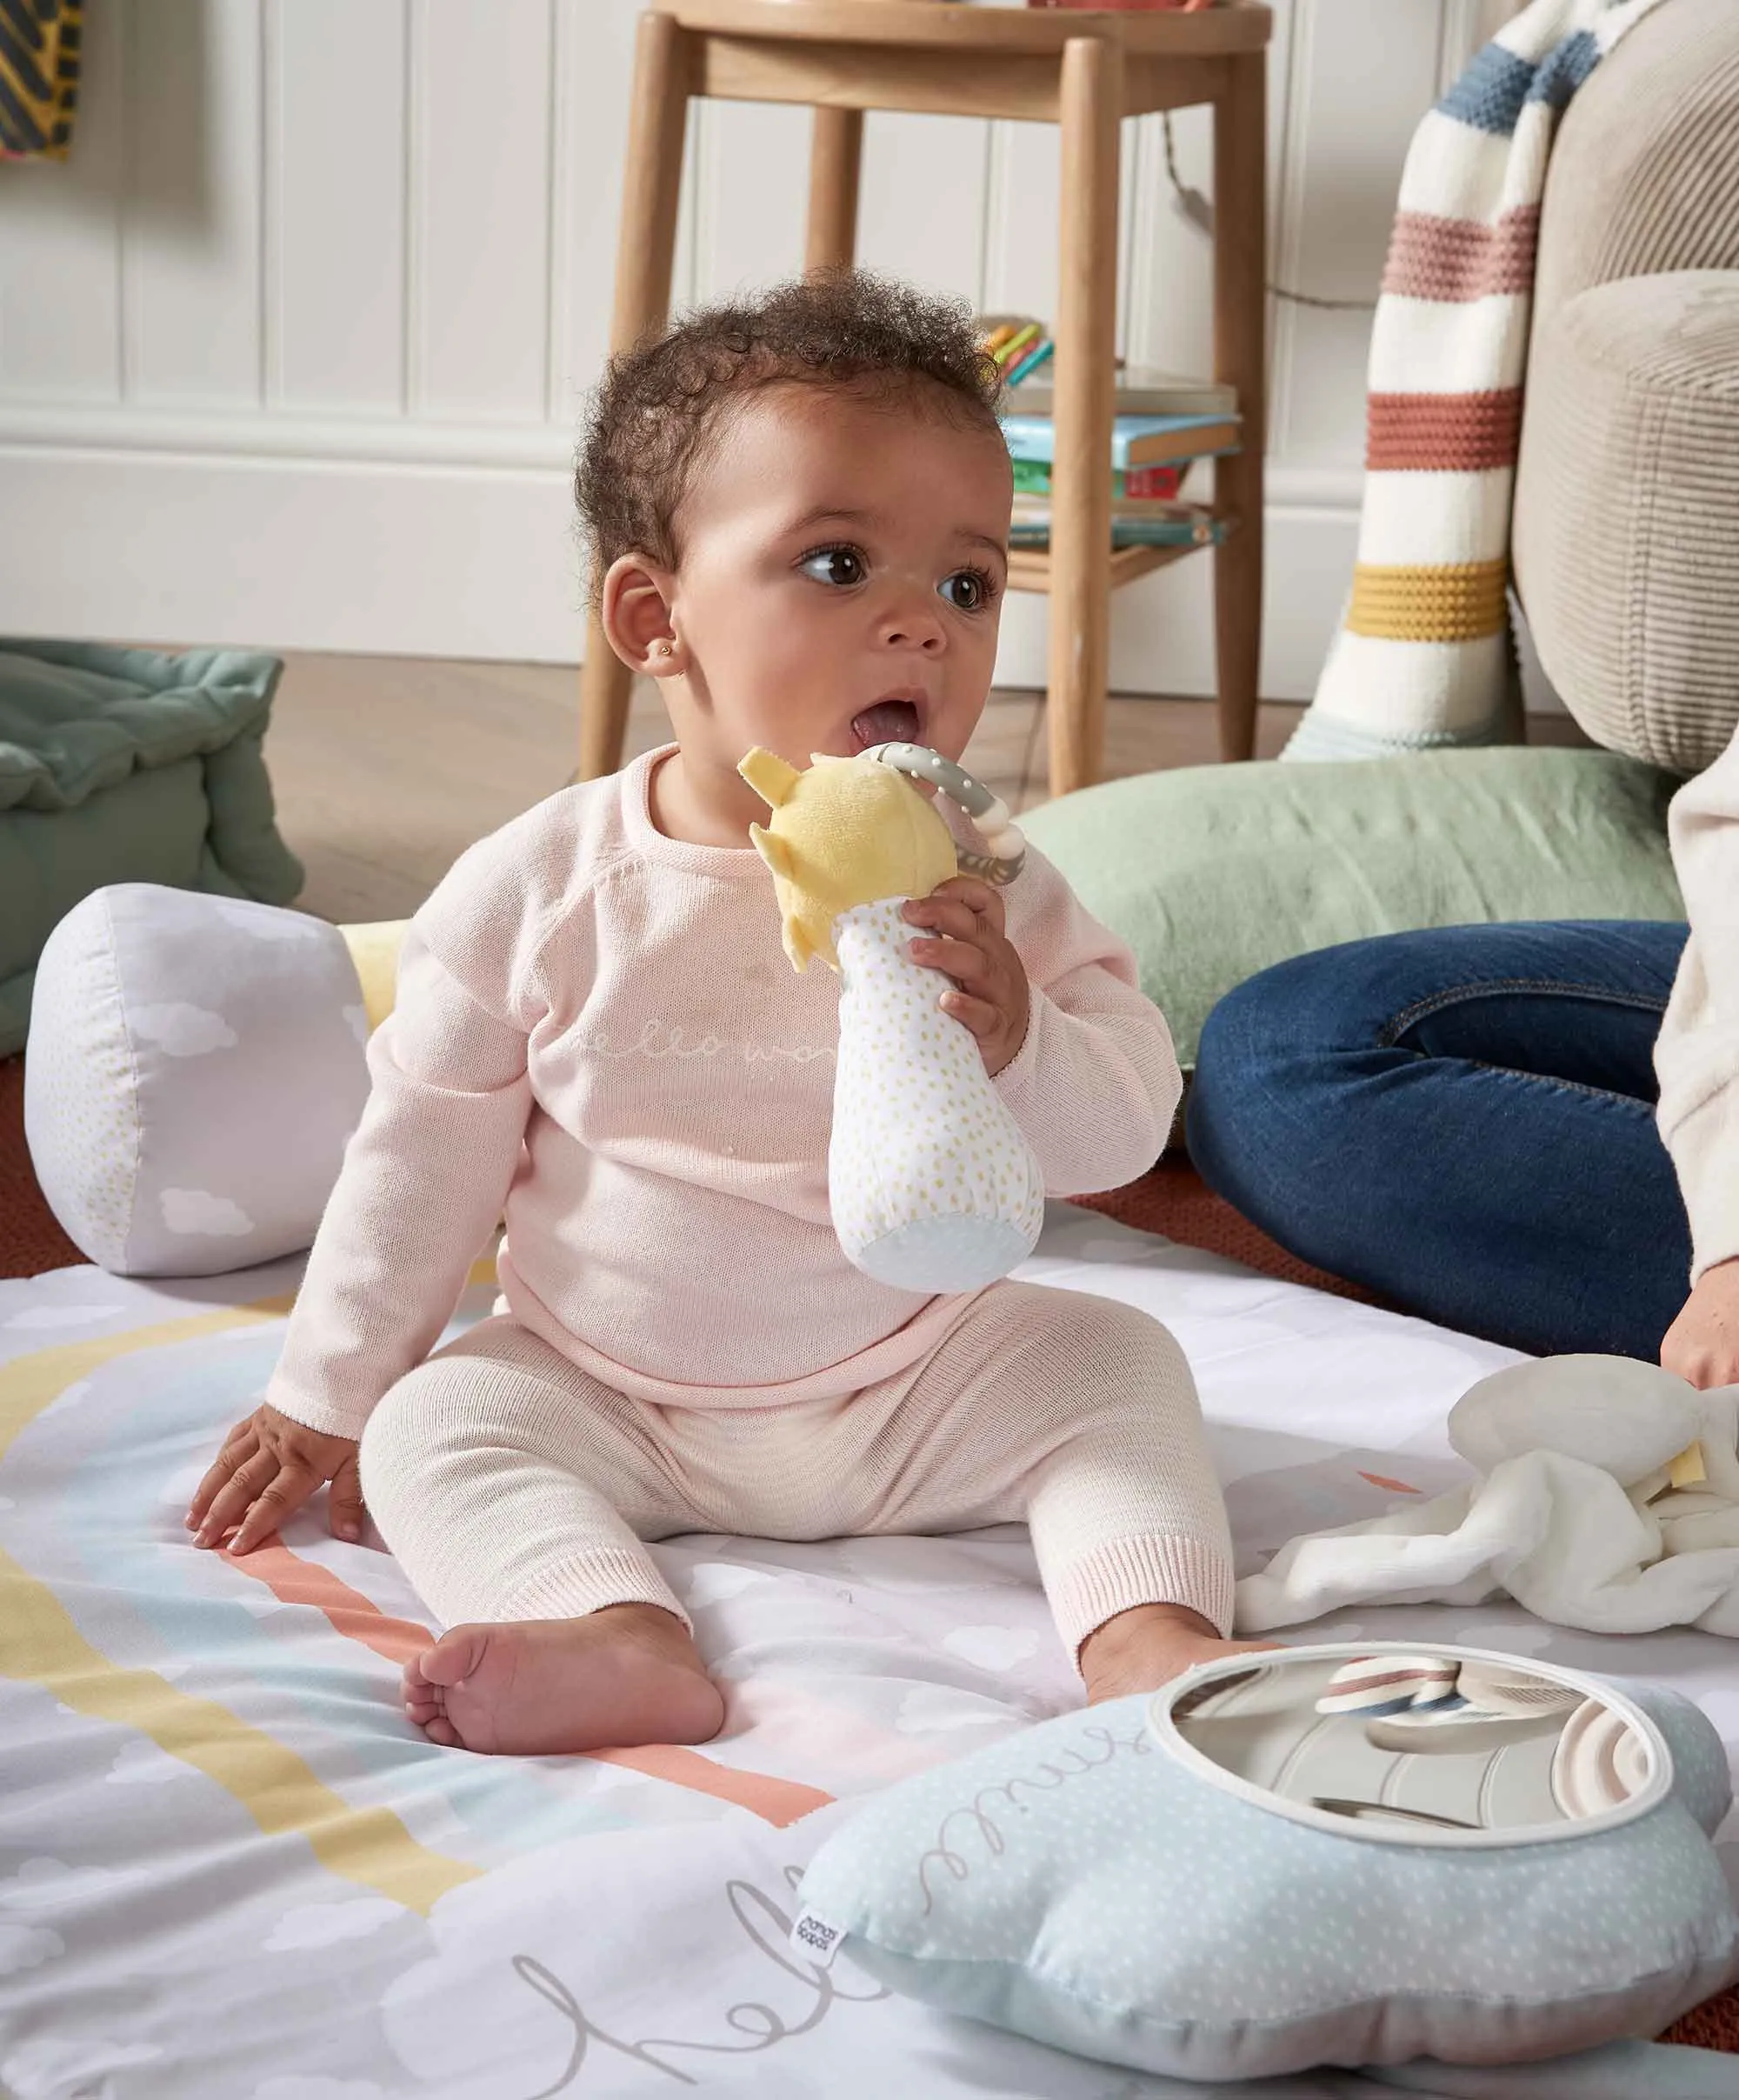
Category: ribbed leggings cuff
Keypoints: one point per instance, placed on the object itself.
(609, 1575)
(1125, 1572)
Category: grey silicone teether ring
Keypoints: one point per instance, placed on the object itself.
(1008, 849)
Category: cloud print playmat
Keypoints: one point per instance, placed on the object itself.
(230, 1870)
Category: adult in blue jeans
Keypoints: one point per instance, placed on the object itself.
(1469, 1121)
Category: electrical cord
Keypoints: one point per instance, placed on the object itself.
(1199, 212)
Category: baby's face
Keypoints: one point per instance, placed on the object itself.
(841, 576)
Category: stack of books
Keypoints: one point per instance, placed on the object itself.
(1164, 423)
(1150, 454)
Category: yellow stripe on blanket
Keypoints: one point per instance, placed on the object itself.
(40, 1644)
(1459, 602)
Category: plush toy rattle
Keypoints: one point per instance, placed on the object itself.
(932, 1184)
(1607, 1497)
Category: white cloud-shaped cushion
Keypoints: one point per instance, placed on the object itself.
(195, 1067)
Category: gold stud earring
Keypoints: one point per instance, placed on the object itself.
(663, 648)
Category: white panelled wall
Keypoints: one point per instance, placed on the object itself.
(293, 350)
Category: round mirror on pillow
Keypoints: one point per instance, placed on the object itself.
(1447, 1746)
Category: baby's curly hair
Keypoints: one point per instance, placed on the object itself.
(659, 405)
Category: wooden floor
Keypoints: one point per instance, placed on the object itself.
(386, 768)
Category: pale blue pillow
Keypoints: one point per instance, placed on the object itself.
(1098, 1884)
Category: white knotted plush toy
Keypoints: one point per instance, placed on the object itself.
(1608, 1499)
(933, 1187)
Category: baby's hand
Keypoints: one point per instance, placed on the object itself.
(268, 1468)
(1147, 1646)
(967, 944)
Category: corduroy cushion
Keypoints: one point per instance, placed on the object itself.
(1644, 179)
(1627, 547)
(1644, 173)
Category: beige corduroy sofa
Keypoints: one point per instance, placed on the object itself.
(1626, 536)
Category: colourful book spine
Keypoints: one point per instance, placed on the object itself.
(1032, 477)
(1033, 437)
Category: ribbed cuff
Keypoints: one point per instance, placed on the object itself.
(588, 1583)
(325, 1419)
(1126, 1572)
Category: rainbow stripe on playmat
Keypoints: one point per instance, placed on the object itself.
(44, 1646)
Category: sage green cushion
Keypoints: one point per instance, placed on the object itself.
(124, 765)
(1211, 873)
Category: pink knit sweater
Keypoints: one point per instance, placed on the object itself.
(598, 1035)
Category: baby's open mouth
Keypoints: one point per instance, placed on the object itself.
(887, 722)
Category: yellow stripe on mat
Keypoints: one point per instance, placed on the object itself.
(1457, 602)
(40, 1644)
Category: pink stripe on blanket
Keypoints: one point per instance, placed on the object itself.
(1443, 433)
(1455, 260)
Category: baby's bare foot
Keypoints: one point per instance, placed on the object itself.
(616, 1678)
(1140, 1649)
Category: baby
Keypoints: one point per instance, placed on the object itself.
(798, 513)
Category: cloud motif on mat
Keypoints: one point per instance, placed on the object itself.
(59, 1315)
(711, 1582)
(27, 1947)
(991, 1647)
(142, 1763)
(181, 1030)
(324, 1924)
(196, 1213)
(45, 1884)
(929, 1708)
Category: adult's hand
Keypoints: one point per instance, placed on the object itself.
(1702, 1344)
(268, 1468)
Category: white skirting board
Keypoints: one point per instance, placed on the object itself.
(463, 544)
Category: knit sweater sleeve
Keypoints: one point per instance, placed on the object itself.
(1697, 1054)
(1095, 1083)
(427, 1172)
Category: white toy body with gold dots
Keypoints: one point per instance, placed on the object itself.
(932, 1184)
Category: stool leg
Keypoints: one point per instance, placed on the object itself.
(1090, 112)
(1239, 271)
(835, 158)
(645, 253)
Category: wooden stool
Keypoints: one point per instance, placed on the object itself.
(1085, 71)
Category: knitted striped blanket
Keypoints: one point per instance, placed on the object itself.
(1421, 659)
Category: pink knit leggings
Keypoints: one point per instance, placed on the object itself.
(513, 1485)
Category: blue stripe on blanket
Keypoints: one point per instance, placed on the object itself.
(1490, 94)
(1564, 68)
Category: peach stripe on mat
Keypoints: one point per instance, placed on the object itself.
(295, 1581)
(1443, 433)
(1457, 260)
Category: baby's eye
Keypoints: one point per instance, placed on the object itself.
(968, 589)
(839, 565)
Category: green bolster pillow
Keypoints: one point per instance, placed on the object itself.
(1212, 873)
